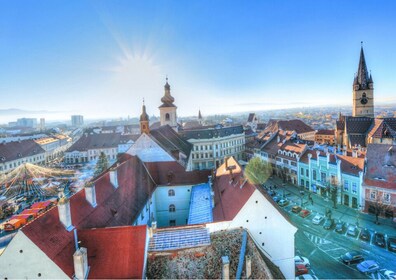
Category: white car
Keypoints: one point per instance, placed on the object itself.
(301, 260)
(389, 274)
(306, 277)
(317, 219)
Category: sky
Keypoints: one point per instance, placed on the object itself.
(101, 58)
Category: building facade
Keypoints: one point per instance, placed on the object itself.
(211, 144)
(77, 120)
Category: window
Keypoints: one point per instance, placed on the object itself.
(346, 186)
(314, 174)
(167, 117)
(172, 223)
(354, 188)
(387, 197)
(302, 182)
(171, 192)
(172, 208)
(323, 177)
(307, 172)
(373, 195)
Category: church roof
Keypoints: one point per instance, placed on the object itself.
(359, 125)
(167, 100)
(144, 116)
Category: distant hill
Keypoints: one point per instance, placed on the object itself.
(14, 111)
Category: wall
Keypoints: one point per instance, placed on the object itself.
(181, 200)
(272, 233)
(29, 263)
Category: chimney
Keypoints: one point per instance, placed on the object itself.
(317, 157)
(354, 153)
(114, 176)
(345, 152)
(90, 194)
(278, 139)
(226, 267)
(80, 259)
(327, 159)
(64, 213)
(248, 267)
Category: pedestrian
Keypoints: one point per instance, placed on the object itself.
(311, 200)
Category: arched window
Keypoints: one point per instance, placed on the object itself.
(364, 95)
(171, 192)
(172, 208)
(167, 117)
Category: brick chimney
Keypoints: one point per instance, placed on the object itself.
(80, 259)
(90, 194)
(64, 213)
(114, 176)
(226, 267)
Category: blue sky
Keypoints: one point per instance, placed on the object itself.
(101, 58)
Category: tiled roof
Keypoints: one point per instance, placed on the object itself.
(170, 140)
(261, 126)
(381, 165)
(288, 125)
(155, 125)
(17, 150)
(211, 132)
(172, 173)
(229, 196)
(116, 252)
(383, 128)
(351, 165)
(358, 125)
(96, 141)
(124, 138)
(325, 132)
(115, 207)
(357, 140)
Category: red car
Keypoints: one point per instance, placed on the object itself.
(301, 269)
(304, 213)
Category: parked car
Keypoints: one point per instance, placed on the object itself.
(304, 213)
(368, 266)
(389, 274)
(271, 192)
(301, 269)
(379, 239)
(352, 257)
(283, 202)
(296, 209)
(276, 198)
(328, 224)
(340, 227)
(306, 277)
(365, 235)
(301, 260)
(352, 230)
(392, 243)
(317, 219)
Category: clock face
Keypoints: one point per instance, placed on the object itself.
(363, 100)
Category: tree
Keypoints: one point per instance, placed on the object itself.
(258, 171)
(378, 207)
(102, 164)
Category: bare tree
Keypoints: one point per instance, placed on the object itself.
(258, 171)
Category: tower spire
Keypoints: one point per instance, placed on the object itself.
(362, 78)
(144, 120)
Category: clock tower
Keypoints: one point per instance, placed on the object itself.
(363, 91)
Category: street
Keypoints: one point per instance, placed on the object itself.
(324, 247)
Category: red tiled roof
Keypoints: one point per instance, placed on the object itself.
(20, 149)
(115, 253)
(115, 207)
(96, 141)
(289, 125)
(229, 196)
(172, 173)
(381, 166)
(351, 165)
(325, 132)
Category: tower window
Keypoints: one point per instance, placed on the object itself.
(167, 117)
(172, 208)
(171, 192)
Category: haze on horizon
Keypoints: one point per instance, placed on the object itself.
(101, 58)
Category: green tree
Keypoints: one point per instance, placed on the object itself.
(258, 171)
(102, 164)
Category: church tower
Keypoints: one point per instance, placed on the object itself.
(363, 90)
(168, 109)
(144, 121)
